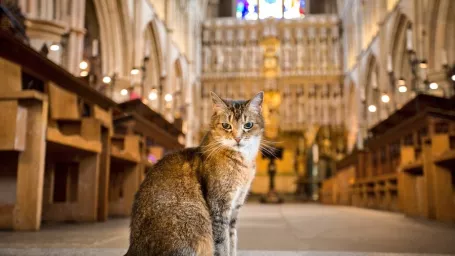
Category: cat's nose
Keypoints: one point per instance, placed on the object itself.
(238, 139)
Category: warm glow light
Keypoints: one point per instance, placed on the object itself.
(107, 79)
(83, 65)
(153, 95)
(134, 71)
(434, 86)
(401, 82)
(453, 78)
(84, 73)
(54, 47)
(385, 98)
(372, 108)
(124, 92)
(402, 88)
(423, 64)
(168, 97)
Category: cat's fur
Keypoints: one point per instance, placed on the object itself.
(189, 202)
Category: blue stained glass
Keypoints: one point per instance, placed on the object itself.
(247, 9)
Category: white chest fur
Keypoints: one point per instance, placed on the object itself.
(250, 150)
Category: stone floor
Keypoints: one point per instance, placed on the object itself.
(298, 229)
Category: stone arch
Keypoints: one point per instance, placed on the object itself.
(117, 57)
(155, 65)
(441, 28)
(400, 59)
(372, 93)
(353, 113)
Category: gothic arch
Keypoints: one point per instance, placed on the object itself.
(441, 28)
(353, 113)
(155, 64)
(400, 58)
(117, 38)
(372, 93)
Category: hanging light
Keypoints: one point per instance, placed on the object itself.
(83, 65)
(401, 81)
(423, 64)
(124, 92)
(134, 71)
(153, 95)
(372, 108)
(107, 79)
(434, 86)
(453, 78)
(84, 73)
(168, 97)
(54, 47)
(402, 88)
(385, 98)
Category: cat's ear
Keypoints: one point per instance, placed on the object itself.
(255, 104)
(218, 104)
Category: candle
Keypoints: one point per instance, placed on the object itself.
(95, 48)
(409, 38)
(389, 63)
(444, 57)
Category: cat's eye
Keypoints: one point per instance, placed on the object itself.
(248, 126)
(226, 126)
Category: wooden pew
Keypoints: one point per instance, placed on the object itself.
(126, 169)
(22, 150)
(50, 114)
(73, 159)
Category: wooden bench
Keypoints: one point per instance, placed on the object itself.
(126, 169)
(55, 148)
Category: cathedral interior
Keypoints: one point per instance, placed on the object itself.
(359, 107)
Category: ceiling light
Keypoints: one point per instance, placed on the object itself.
(124, 92)
(84, 73)
(402, 88)
(153, 95)
(83, 65)
(453, 78)
(372, 108)
(168, 97)
(54, 47)
(107, 79)
(401, 81)
(134, 71)
(385, 98)
(434, 86)
(423, 64)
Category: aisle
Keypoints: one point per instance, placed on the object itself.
(306, 229)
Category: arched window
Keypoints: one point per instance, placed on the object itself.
(262, 9)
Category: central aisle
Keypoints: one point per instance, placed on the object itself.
(265, 229)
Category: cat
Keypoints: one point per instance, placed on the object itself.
(189, 201)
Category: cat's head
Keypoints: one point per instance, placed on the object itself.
(238, 124)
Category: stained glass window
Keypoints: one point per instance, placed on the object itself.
(294, 9)
(247, 9)
(263, 9)
(270, 9)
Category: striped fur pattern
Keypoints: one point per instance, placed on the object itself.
(189, 202)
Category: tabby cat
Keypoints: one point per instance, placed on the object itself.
(189, 202)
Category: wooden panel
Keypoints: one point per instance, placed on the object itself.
(6, 216)
(11, 77)
(88, 189)
(30, 173)
(105, 166)
(105, 116)
(13, 118)
(63, 104)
